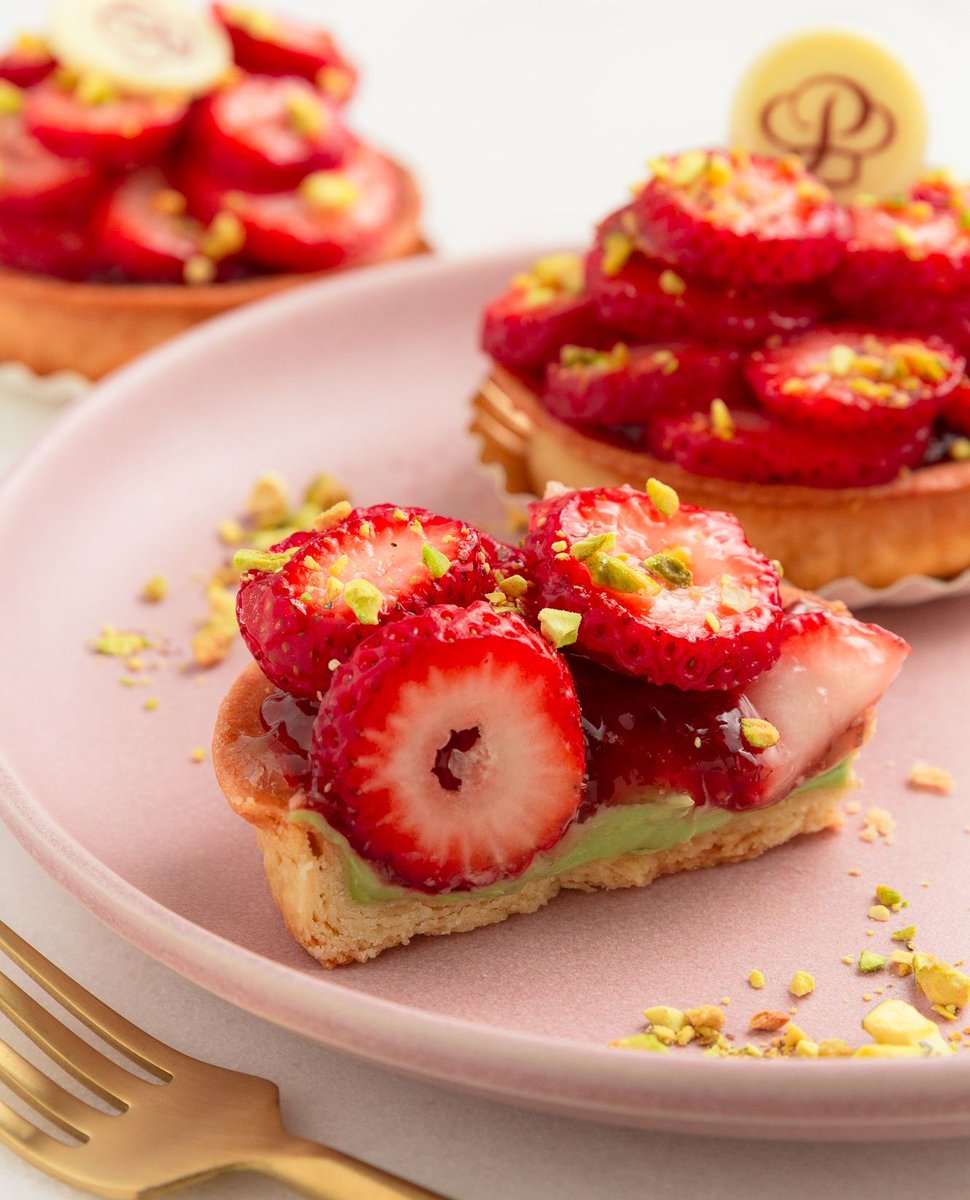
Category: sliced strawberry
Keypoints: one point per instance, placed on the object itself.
(542, 310)
(742, 219)
(831, 669)
(33, 179)
(626, 383)
(270, 45)
(634, 291)
(331, 218)
(754, 446)
(855, 380)
(27, 62)
(60, 245)
(449, 750)
(313, 599)
(144, 231)
(112, 132)
(679, 599)
(266, 134)
(941, 189)
(646, 742)
(907, 249)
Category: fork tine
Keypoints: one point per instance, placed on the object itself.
(43, 1094)
(99, 1018)
(98, 1073)
(20, 1135)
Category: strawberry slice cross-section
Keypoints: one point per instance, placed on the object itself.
(742, 218)
(306, 605)
(663, 590)
(855, 380)
(449, 749)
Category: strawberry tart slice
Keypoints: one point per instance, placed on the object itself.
(440, 731)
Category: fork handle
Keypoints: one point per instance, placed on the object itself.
(325, 1174)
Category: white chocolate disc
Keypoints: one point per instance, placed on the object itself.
(142, 45)
(842, 103)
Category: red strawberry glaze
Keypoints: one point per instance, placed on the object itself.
(267, 133)
(910, 251)
(756, 446)
(267, 44)
(121, 132)
(742, 219)
(857, 381)
(627, 383)
(643, 295)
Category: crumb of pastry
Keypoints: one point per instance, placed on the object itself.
(925, 777)
(155, 589)
(879, 912)
(197, 754)
(878, 823)
(756, 978)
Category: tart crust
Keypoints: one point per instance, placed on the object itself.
(58, 324)
(306, 873)
(917, 525)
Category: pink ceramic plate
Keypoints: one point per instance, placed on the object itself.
(369, 378)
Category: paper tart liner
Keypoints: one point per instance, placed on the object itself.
(501, 459)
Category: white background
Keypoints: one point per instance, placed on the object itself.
(525, 120)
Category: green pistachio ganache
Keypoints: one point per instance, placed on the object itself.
(644, 828)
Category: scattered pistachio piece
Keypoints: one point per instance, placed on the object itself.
(641, 1041)
(670, 569)
(903, 935)
(663, 497)
(940, 982)
(559, 627)
(887, 895)
(586, 546)
(802, 983)
(436, 562)
(364, 601)
(756, 979)
(155, 589)
(879, 912)
(514, 586)
(663, 1014)
(869, 961)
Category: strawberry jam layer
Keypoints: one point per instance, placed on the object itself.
(643, 742)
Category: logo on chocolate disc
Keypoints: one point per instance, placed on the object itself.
(832, 123)
(146, 33)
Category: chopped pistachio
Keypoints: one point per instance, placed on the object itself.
(663, 497)
(834, 1048)
(590, 545)
(560, 547)
(896, 1023)
(869, 961)
(198, 269)
(436, 562)
(155, 589)
(705, 1016)
(94, 87)
(722, 423)
(304, 111)
(262, 560)
(887, 895)
(641, 1041)
(670, 569)
(901, 961)
(671, 284)
(940, 982)
(802, 983)
(610, 571)
(329, 191)
(333, 515)
(879, 912)
(224, 236)
(514, 586)
(559, 627)
(268, 502)
(364, 601)
(712, 622)
(563, 272)
(663, 1014)
(904, 934)
(756, 979)
(325, 490)
(807, 1048)
(617, 248)
(759, 733)
(881, 1050)
(150, 704)
(119, 643)
(11, 97)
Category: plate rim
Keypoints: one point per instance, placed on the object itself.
(538, 1071)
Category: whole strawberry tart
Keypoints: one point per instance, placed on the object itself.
(766, 349)
(440, 730)
(161, 163)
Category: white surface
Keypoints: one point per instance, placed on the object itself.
(525, 119)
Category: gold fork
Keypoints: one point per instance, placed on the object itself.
(195, 1122)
